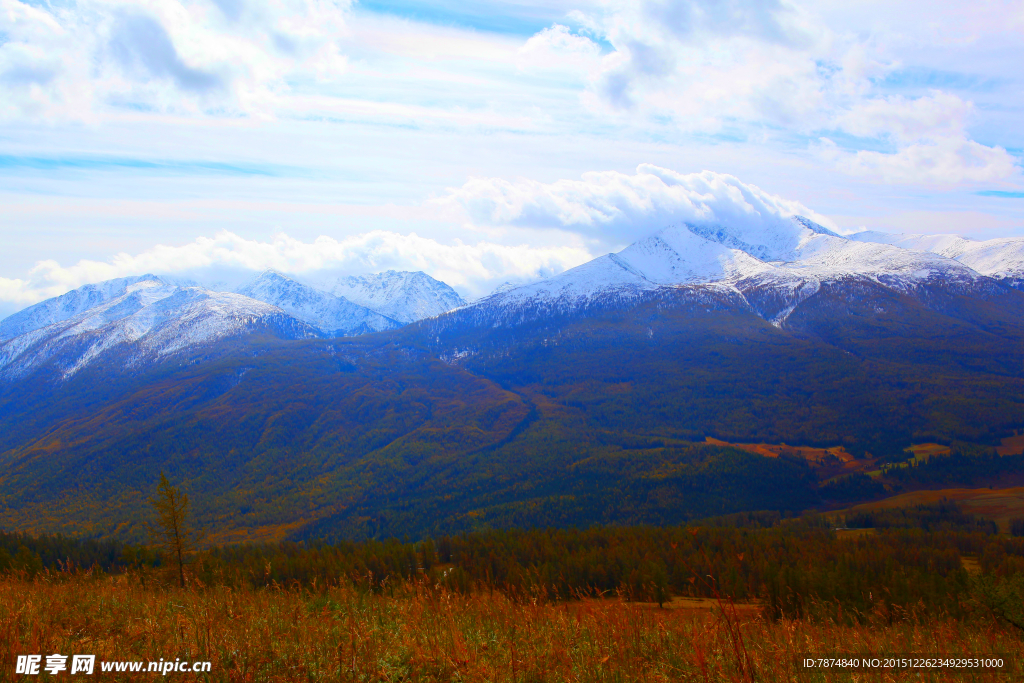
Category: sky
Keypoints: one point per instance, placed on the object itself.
(484, 142)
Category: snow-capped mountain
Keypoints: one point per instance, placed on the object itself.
(150, 320)
(402, 296)
(336, 316)
(1001, 258)
(66, 306)
(147, 317)
(769, 267)
(794, 257)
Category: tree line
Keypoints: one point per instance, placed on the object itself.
(911, 566)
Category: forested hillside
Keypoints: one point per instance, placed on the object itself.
(565, 419)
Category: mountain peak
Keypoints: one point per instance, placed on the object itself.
(334, 315)
(782, 260)
(405, 296)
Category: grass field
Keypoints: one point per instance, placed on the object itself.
(999, 505)
(418, 634)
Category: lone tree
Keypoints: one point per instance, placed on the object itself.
(172, 533)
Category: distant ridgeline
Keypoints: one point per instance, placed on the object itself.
(585, 399)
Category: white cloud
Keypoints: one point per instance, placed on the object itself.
(936, 116)
(17, 292)
(708, 64)
(231, 56)
(559, 49)
(622, 208)
(755, 70)
(474, 269)
(946, 161)
(773, 68)
(931, 139)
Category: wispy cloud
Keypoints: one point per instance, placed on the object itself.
(1001, 193)
(102, 163)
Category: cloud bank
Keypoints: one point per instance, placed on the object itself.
(474, 269)
(620, 208)
(744, 69)
(751, 70)
(606, 210)
(69, 61)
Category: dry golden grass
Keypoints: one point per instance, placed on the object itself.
(340, 634)
(999, 505)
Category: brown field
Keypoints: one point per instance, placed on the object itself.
(264, 534)
(924, 451)
(815, 456)
(971, 564)
(854, 533)
(836, 461)
(999, 505)
(340, 634)
(700, 605)
(1012, 445)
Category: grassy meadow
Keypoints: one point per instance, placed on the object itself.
(739, 598)
(420, 633)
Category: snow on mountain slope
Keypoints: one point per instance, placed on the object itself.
(681, 255)
(402, 296)
(674, 256)
(148, 317)
(66, 306)
(604, 276)
(774, 238)
(828, 257)
(803, 248)
(151, 319)
(999, 258)
(334, 315)
(503, 287)
(791, 258)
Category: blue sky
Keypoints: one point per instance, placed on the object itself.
(212, 136)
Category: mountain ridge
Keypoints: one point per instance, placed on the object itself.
(335, 316)
(149, 317)
(771, 268)
(535, 405)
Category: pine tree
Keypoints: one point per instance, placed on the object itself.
(172, 533)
